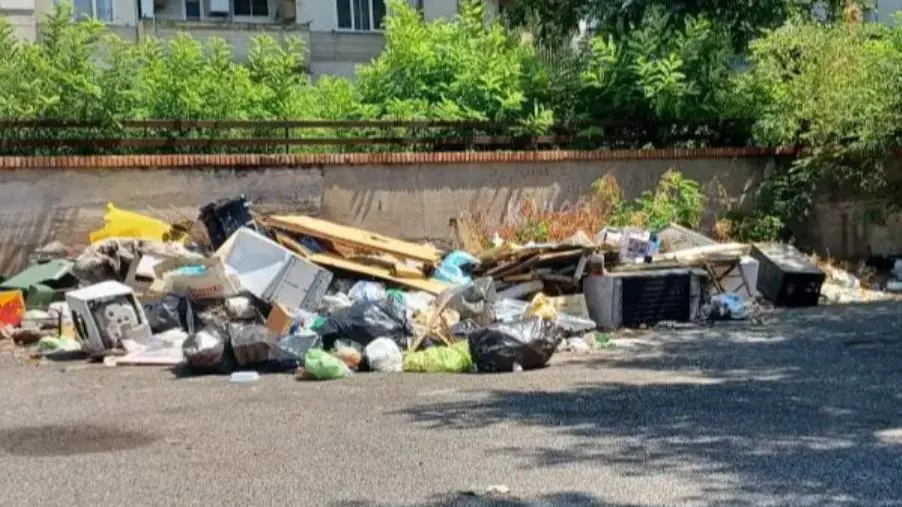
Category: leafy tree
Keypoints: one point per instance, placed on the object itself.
(460, 69)
(742, 19)
(833, 90)
(659, 70)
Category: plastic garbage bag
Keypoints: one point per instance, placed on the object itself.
(241, 308)
(512, 310)
(250, 343)
(321, 365)
(169, 312)
(384, 355)
(119, 223)
(367, 292)
(296, 345)
(454, 267)
(208, 348)
(728, 307)
(331, 303)
(464, 328)
(461, 259)
(364, 322)
(541, 307)
(472, 301)
(529, 343)
(453, 275)
(418, 301)
(453, 359)
(349, 352)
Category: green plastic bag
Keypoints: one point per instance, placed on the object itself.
(322, 365)
(453, 359)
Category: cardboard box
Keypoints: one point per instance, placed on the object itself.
(214, 282)
(12, 307)
(574, 305)
(278, 322)
(106, 314)
(273, 273)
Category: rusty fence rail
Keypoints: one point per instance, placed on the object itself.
(52, 136)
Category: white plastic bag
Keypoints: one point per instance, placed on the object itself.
(384, 355)
(729, 306)
(367, 292)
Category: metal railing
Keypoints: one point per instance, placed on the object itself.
(54, 136)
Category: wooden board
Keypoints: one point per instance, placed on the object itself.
(353, 237)
(392, 272)
(333, 261)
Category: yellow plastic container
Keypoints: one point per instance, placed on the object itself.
(120, 223)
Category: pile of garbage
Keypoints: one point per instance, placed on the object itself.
(297, 293)
(274, 293)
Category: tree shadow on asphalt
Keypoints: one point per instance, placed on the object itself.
(804, 410)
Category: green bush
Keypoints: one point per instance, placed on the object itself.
(831, 89)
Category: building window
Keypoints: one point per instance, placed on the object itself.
(101, 10)
(251, 8)
(360, 15)
(192, 10)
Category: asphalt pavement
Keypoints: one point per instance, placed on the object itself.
(804, 409)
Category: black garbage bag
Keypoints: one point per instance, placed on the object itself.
(365, 321)
(529, 343)
(169, 312)
(209, 350)
(250, 343)
(464, 329)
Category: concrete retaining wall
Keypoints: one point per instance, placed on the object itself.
(406, 195)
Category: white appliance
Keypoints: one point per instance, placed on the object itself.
(105, 315)
(273, 273)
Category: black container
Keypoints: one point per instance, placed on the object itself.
(786, 277)
(224, 217)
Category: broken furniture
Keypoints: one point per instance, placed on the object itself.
(786, 276)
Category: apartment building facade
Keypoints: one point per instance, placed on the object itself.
(340, 34)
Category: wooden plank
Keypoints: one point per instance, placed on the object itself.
(353, 237)
(556, 256)
(333, 261)
(293, 245)
(707, 253)
(402, 270)
(396, 267)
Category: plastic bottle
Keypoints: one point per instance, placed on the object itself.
(244, 377)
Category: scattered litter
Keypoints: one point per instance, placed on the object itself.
(244, 377)
(729, 307)
(49, 344)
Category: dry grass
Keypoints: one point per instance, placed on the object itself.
(536, 224)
